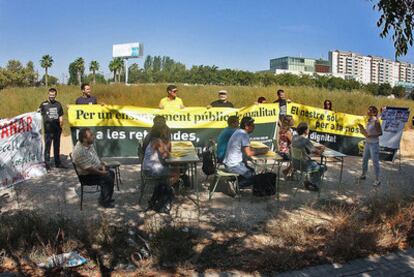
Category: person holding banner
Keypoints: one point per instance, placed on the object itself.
(91, 169)
(372, 131)
(238, 149)
(222, 102)
(327, 105)
(172, 101)
(281, 99)
(52, 113)
(87, 97)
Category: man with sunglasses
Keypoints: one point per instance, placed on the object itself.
(172, 101)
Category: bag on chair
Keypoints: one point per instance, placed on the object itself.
(208, 163)
(264, 184)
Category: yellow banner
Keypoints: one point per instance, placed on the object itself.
(192, 117)
(325, 121)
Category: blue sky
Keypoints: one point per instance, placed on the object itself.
(237, 34)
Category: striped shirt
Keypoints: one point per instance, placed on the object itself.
(85, 157)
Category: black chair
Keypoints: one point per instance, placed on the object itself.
(83, 183)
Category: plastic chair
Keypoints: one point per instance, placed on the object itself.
(221, 173)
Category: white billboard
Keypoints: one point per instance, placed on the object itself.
(128, 50)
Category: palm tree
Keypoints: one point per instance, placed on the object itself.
(112, 68)
(46, 62)
(94, 66)
(116, 66)
(80, 68)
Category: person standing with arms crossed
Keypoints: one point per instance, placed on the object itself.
(52, 113)
(372, 131)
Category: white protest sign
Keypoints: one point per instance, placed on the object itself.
(21, 149)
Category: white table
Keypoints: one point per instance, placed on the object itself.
(184, 153)
(333, 156)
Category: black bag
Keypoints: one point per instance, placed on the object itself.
(161, 198)
(208, 163)
(264, 184)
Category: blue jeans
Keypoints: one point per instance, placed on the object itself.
(244, 171)
(371, 151)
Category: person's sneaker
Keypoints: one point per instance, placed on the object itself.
(377, 183)
(362, 177)
(311, 187)
(230, 190)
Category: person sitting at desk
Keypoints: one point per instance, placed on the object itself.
(157, 151)
(238, 149)
(225, 135)
(159, 122)
(91, 169)
(302, 143)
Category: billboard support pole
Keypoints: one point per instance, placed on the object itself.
(126, 71)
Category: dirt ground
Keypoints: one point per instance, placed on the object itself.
(58, 193)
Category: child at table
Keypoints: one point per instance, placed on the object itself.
(285, 140)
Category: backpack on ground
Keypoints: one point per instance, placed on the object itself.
(161, 198)
(264, 184)
(208, 161)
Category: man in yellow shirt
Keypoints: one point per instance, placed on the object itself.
(171, 101)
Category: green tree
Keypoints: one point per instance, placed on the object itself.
(94, 66)
(396, 16)
(398, 91)
(384, 89)
(46, 62)
(99, 78)
(116, 66)
(30, 74)
(134, 73)
(52, 80)
(73, 74)
(79, 64)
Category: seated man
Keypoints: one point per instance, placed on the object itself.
(302, 143)
(91, 169)
(238, 150)
(224, 136)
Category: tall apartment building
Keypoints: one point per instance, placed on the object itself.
(370, 69)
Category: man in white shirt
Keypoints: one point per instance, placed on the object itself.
(238, 149)
(91, 169)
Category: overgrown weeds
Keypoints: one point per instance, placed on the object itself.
(329, 231)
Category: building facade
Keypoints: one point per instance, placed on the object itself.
(370, 69)
(299, 65)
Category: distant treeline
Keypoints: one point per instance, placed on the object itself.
(159, 69)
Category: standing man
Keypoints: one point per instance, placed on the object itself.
(281, 99)
(172, 101)
(91, 169)
(238, 149)
(87, 97)
(222, 102)
(52, 113)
